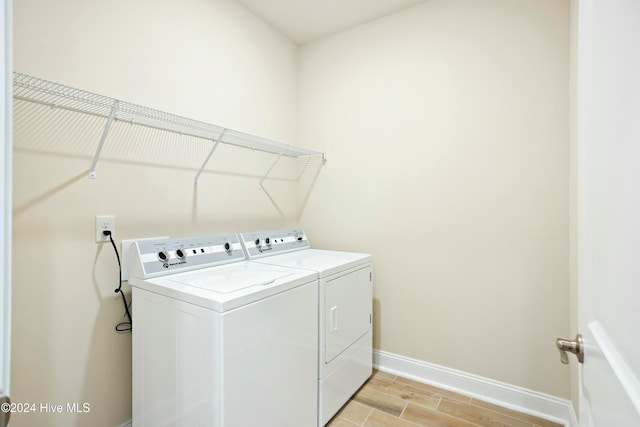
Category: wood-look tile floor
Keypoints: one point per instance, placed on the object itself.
(389, 401)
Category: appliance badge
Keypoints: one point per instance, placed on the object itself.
(168, 264)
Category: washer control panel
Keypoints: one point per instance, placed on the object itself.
(152, 258)
(273, 242)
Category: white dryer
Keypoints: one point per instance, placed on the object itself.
(219, 341)
(345, 302)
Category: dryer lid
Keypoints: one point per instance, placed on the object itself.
(324, 262)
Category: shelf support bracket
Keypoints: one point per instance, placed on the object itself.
(103, 138)
(215, 145)
(271, 168)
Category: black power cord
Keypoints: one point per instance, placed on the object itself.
(122, 326)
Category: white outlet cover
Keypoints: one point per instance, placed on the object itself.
(101, 221)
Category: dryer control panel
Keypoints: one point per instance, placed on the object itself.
(152, 258)
(273, 242)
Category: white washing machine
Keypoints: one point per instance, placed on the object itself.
(219, 341)
(345, 302)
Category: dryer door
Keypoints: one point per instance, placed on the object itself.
(347, 308)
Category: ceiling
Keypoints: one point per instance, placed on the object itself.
(307, 20)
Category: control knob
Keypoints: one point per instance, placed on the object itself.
(163, 255)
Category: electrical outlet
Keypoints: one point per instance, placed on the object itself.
(104, 223)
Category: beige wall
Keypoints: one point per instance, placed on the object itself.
(212, 61)
(448, 123)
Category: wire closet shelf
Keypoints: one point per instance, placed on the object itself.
(56, 95)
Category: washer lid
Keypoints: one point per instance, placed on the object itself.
(229, 279)
(226, 287)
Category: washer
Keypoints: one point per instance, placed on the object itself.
(345, 301)
(219, 341)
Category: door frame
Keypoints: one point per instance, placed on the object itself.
(6, 103)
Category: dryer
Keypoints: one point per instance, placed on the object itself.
(345, 350)
(219, 341)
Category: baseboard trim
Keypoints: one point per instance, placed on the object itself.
(509, 396)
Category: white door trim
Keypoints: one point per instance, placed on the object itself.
(619, 366)
(6, 103)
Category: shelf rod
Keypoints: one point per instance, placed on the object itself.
(61, 107)
(215, 145)
(272, 166)
(201, 134)
(103, 138)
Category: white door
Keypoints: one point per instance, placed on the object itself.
(5, 198)
(609, 211)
